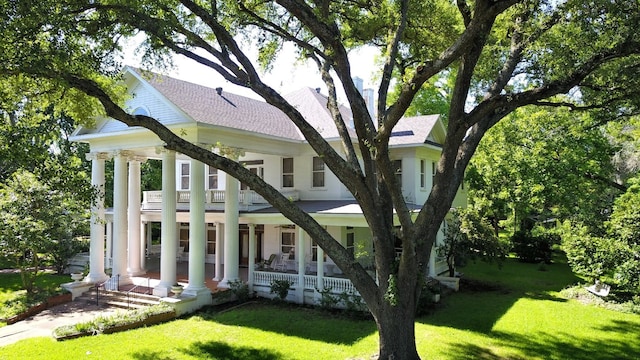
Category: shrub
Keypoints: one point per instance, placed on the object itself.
(240, 290)
(280, 288)
(533, 249)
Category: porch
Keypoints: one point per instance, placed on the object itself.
(213, 199)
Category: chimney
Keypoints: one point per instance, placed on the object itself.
(219, 90)
(318, 90)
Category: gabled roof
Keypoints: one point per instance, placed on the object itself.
(214, 106)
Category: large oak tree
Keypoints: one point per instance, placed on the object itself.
(503, 54)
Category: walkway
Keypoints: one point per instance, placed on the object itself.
(42, 324)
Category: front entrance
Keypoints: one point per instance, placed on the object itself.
(244, 244)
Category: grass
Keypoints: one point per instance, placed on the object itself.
(522, 316)
(13, 299)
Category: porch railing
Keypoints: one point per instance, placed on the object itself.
(246, 197)
(337, 285)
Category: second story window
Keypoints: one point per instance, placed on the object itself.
(287, 172)
(212, 178)
(433, 172)
(184, 176)
(397, 167)
(318, 172)
(423, 173)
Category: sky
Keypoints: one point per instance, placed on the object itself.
(287, 75)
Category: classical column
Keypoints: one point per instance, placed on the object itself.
(252, 256)
(231, 241)
(320, 269)
(168, 237)
(219, 252)
(120, 226)
(301, 250)
(134, 268)
(197, 231)
(97, 255)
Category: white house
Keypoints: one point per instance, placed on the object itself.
(207, 217)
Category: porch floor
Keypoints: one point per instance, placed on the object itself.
(152, 267)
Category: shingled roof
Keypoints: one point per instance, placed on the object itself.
(214, 106)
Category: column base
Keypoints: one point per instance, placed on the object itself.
(196, 291)
(161, 290)
(96, 278)
(136, 272)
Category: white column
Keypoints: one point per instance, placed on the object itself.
(197, 231)
(219, 252)
(96, 259)
(145, 232)
(109, 240)
(120, 225)
(231, 242)
(320, 269)
(252, 256)
(301, 250)
(135, 240)
(168, 239)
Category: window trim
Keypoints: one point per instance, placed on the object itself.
(315, 171)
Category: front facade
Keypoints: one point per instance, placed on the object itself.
(207, 217)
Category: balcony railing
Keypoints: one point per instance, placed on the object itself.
(153, 199)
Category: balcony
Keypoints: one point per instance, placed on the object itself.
(214, 199)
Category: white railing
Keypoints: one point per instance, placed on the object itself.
(337, 285)
(264, 278)
(246, 197)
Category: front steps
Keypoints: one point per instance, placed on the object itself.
(120, 299)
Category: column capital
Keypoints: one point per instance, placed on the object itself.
(123, 153)
(232, 153)
(137, 158)
(163, 150)
(96, 155)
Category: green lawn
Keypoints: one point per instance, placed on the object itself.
(10, 290)
(522, 318)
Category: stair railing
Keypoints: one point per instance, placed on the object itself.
(112, 284)
(137, 290)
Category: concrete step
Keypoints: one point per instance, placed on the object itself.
(120, 299)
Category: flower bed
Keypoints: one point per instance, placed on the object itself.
(120, 321)
(33, 310)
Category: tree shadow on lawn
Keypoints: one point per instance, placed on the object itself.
(488, 293)
(298, 321)
(557, 345)
(216, 350)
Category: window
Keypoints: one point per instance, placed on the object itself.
(184, 176)
(397, 167)
(350, 241)
(212, 178)
(211, 239)
(287, 172)
(433, 172)
(423, 174)
(318, 172)
(288, 240)
(183, 230)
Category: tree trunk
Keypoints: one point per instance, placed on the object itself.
(396, 328)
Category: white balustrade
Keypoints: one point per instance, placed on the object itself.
(247, 197)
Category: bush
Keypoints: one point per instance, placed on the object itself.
(533, 249)
(240, 290)
(280, 288)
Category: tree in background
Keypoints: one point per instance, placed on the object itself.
(36, 221)
(505, 54)
(544, 164)
(467, 237)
